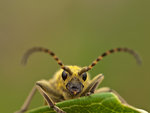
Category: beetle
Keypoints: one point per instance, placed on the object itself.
(70, 81)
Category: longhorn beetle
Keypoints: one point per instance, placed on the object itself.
(70, 81)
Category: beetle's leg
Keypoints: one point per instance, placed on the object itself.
(93, 85)
(49, 101)
(50, 89)
(43, 86)
(106, 89)
(27, 101)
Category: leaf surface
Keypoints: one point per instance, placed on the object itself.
(96, 103)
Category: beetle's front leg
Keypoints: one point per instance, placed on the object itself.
(43, 87)
(93, 85)
(49, 101)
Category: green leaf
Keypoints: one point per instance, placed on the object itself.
(96, 103)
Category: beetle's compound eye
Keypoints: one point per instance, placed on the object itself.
(64, 75)
(84, 76)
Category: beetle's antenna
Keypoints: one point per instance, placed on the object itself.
(108, 53)
(40, 49)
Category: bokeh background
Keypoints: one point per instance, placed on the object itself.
(78, 32)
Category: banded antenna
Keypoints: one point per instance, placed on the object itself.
(108, 53)
(40, 49)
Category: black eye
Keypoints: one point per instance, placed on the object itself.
(84, 76)
(64, 75)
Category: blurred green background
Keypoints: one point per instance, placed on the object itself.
(78, 32)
